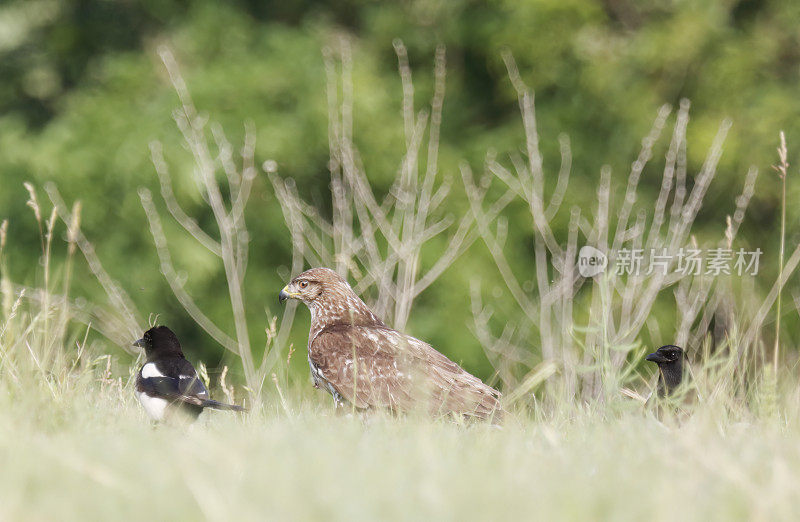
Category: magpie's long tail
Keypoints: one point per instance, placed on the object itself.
(209, 403)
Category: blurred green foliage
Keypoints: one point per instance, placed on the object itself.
(83, 93)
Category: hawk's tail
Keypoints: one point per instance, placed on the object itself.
(209, 403)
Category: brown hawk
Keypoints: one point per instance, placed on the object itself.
(359, 360)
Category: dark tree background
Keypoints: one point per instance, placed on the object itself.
(83, 93)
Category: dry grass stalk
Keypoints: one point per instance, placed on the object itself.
(232, 244)
(598, 326)
(782, 169)
(377, 242)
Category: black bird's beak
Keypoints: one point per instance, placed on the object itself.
(139, 343)
(283, 296)
(656, 358)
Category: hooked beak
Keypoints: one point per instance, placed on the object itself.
(285, 294)
(139, 343)
(656, 358)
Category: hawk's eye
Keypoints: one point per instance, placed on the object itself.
(303, 284)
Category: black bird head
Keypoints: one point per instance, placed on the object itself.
(669, 359)
(159, 341)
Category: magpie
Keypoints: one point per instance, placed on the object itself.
(167, 384)
(670, 361)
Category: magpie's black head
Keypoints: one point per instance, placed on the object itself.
(159, 341)
(666, 355)
(669, 359)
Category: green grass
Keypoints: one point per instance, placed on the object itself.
(75, 445)
(89, 453)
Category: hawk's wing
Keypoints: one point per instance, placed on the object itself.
(378, 366)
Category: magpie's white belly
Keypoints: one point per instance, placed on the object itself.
(154, 406)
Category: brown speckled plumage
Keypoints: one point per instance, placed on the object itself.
(392, 370)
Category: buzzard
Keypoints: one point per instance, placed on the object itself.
(359, 360)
